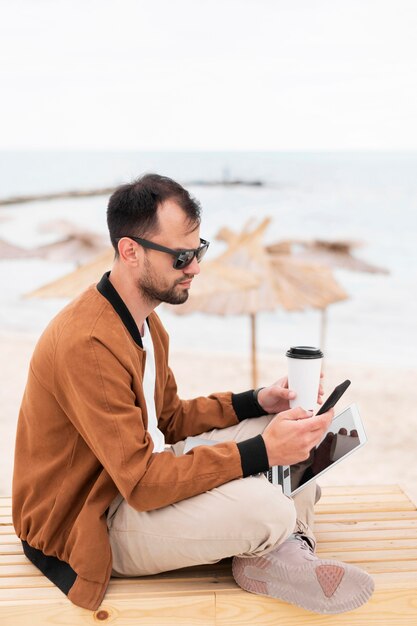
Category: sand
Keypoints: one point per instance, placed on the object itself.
(387, 399)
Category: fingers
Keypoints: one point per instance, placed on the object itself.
(297, 413)
(319, 422)
(285, 394)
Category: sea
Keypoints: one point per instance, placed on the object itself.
(369, 197)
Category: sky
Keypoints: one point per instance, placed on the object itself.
(208, 75)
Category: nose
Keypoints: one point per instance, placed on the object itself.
(193, 268)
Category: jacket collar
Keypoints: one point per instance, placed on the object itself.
(109, 292)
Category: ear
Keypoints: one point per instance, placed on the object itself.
(129, 251)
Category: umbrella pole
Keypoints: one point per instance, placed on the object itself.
(253, 340)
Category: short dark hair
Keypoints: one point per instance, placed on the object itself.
(132, 208)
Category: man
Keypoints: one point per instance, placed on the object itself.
(101, 482)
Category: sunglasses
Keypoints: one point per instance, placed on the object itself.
(182, 258)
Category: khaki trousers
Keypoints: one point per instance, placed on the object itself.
(245, 517)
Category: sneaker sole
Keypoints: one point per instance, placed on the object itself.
(306, 586)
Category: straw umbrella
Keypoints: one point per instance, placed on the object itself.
(284, 281)
(10, 251)
(72, 284)
(76, 244)
(332, 253)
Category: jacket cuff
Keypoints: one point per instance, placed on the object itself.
(253, 456)
(245, 405)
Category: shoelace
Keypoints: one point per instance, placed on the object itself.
(305, 545)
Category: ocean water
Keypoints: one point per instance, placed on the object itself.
(370, 197)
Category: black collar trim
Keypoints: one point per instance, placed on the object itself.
(109, 292)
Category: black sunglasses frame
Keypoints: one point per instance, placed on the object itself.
(179, 263)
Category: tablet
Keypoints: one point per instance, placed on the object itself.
(345, 435)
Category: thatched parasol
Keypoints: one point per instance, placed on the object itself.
(72, 284)
(332, 253)
(10, 251)
(76, 244)
(284, 281)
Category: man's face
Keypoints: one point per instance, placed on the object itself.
(159, 281)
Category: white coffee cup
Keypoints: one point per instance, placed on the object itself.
(304, 367)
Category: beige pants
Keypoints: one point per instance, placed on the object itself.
(244, 517)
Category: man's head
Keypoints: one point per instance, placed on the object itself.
(154, 228)
(133, 208)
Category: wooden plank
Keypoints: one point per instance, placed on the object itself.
(359, 526)
(390, 566)
(363, 545)
(368, 555)
(10, 559)
(354, 518)
(358, 489)
(11, 548)
(9, 538)
(187, 610)
(389, 499)
(26, 569)
(341, 507)
(14, 582)
(393, 608)
(370, 536)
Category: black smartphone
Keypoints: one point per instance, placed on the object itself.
(334, 397)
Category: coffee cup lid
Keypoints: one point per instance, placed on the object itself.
(304, 352)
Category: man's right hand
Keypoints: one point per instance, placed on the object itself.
(291, 435)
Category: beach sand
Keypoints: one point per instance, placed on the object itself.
(387, 399)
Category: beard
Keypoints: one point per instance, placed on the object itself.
(152, 292)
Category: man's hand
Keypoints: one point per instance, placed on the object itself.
(291, 435)
(275, 398)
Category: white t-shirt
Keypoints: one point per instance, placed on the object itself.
(149, 390)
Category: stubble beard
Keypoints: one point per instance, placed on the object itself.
(155, 295)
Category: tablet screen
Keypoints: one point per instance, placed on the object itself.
(344, 435)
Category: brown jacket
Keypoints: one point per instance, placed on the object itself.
(82, 438)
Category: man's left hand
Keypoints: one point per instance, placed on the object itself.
(275, 398)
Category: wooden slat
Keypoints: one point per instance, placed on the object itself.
(352, 496)
(387, 608)
(361, 525)
(354, 518)
(370, 536)
(360, 489)
(368, 555)
(11, 548)
(13, 559)
(26, 569)
(8, 538)
(373, 544)
(339, 508)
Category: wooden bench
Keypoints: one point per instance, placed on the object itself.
(374, 527)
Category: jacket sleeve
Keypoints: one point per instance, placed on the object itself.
(184, 418)
(95, 388)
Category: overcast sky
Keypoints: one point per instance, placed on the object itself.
(208, 74)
